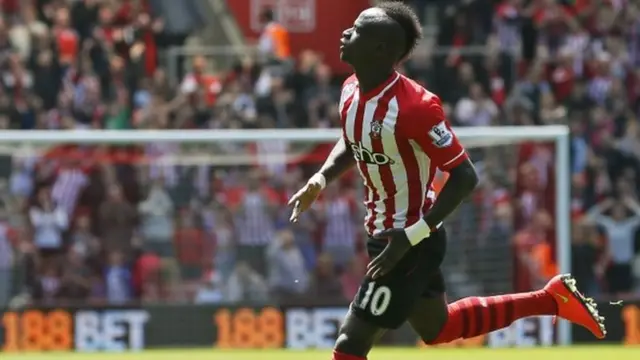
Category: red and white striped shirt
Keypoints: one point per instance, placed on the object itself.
(399, 137)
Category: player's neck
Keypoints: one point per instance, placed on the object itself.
(369, 79)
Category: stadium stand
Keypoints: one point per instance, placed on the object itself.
(87, 224)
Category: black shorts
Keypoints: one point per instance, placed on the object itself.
(388, 301)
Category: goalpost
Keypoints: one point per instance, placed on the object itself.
(23, 142)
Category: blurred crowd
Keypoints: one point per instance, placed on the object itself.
(168, 222)
(549, 62)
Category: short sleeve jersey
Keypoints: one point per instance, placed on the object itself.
(399, 137)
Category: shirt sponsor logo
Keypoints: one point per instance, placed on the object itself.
(367, 156)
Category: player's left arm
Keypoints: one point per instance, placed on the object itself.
(446, 152)
(433, 134)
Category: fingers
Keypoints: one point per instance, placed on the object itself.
(295, 214)
(383, 234)
(296, 196)
(297, 204)
(378, 266)
(373, 263)
(379, 273)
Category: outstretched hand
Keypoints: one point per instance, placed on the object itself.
(302, 200)
(397, 246)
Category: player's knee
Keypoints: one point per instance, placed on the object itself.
(355, 337)
(430, 330)
(429, 337)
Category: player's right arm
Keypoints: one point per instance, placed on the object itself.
(338, 162)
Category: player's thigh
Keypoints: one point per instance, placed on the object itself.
(357, 336)
(388, 300)
(428, 317)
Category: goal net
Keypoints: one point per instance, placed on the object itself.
(210, 205)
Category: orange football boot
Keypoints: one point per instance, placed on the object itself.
(575, 307)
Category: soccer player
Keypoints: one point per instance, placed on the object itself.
(396, 134)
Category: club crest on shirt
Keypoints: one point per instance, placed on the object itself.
(376, 129)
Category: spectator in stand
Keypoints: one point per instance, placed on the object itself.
(551, 113)
(219, 223)
(118, 279)
(47, 73)
(23, 29)
(274, 43)
(67, 39)
(49, 222)
(84, 15)
(325, 286)
(194, 249)
(20, 182)
(288, 277)
(255, 221)
(477, 109)
(304, 232)
(83, 242)
(533, 252)
(210, 291)
(246, 285)
(76, 282)
(586, 248)
(337, 212)
(156, 213)
(321, 98)
(47, 286)
(619, 230)
(199, 82)
(147, 279)
(69, 182)
(117, 220)
(7, 260)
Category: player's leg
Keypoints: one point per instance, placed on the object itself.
(429, 317)
(473, 316)
(355, 338)
(438, 322)
(381, 304)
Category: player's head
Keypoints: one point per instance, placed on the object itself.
(386, 34)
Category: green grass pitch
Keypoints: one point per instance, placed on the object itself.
(570, 353)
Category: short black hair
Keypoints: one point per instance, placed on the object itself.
(408, 20)
(268, 14)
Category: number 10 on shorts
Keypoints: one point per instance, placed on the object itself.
(376, 299)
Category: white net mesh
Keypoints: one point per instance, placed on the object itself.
(205, 221)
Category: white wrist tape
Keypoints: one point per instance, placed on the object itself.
(318, 178)
(417, 232)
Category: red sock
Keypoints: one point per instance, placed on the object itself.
(340, 356)
(475, 316)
